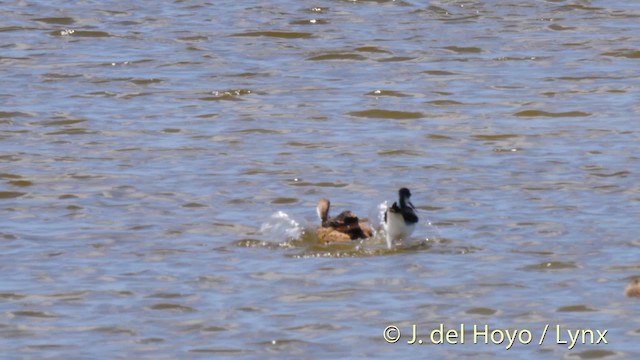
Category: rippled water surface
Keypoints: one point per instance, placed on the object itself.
(160, 163)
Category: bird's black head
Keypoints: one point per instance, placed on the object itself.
(404, 193)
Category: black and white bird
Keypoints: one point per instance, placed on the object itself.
(400, 218)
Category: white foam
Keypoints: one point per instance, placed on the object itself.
(282, 225)
(382, 208)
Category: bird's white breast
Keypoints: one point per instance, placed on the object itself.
(396, 226)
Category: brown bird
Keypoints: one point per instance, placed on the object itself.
(342, 228)
(633, 289)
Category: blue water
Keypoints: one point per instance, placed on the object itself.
(161, 163)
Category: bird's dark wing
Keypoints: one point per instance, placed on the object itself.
(409, 216)
(344, 218)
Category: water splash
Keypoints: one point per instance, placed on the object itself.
(280, 226)
(282, 231)
(382, 209)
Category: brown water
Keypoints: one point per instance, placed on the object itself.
(160, 165)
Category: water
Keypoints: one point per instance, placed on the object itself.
(161, 163)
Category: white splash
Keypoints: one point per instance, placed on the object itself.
(281, 225)
(382, 209)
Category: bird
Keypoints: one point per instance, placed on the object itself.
(633, 289)
(342, 228)
(400, 220)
